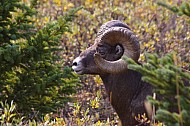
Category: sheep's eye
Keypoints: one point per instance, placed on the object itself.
(101, 50)
(102, 53)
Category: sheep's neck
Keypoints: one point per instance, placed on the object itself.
(122, 89)
(122, 85)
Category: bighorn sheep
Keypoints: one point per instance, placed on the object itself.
(126, 90)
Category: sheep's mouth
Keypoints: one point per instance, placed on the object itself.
(78, 71)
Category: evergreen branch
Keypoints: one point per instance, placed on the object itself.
(183, 9)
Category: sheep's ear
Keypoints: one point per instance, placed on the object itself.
(119, 50)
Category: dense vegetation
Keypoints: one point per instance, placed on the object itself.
(31, 73)
(37, 44)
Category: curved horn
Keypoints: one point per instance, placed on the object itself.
(109, 24)
(114, 36)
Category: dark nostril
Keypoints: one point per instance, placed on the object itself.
(75, 64)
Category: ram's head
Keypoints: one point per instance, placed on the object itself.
(113, 41)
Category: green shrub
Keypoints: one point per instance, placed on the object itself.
(31, 71)
(172, 83)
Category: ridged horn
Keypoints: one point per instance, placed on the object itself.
(114, 36)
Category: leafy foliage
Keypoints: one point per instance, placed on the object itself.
(7, 113)
(31, 72)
